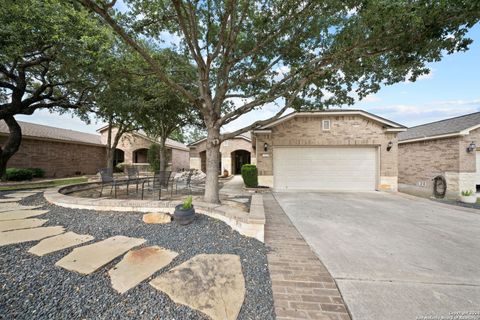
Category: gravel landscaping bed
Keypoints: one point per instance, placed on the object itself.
(32, 287)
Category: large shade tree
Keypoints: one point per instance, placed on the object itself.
(48, 54)
(119, 98)
(164, 112)
(297, 54)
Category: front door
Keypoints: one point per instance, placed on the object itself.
(241, 157)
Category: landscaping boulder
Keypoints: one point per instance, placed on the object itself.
(157, 217)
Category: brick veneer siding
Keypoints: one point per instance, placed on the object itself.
(58, 159)
(129, 143)
(346, 130)
(226, 149)
(421, 161)
(180, 160)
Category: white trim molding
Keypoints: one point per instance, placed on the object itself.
(333, 113)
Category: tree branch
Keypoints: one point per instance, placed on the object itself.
(89, 4)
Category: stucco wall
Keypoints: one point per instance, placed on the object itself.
(346, 130)
(58, 159)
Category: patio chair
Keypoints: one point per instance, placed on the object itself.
(133, 175)
(106, 177)
(188, 182)
(160, 180)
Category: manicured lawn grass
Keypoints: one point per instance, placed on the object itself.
(44, 184)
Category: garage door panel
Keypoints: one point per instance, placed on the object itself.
(318, 168)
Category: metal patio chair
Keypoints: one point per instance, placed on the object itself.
(188, 182)
(106, 177)
(133, 175)
(160, 180)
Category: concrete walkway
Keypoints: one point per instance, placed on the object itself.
(393, 257)
(233, 187)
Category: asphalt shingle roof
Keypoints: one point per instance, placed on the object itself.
(169, 143)
(42, 131)
(447, 126)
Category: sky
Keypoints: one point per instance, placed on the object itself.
(451, 89)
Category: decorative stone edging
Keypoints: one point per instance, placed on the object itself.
(249, 224)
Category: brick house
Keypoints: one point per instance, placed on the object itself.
(328, 150)
(444, 148)
(63, 153)
(234, 153)
(133, 147)
(60, 152)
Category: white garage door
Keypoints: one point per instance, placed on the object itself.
(318, 168)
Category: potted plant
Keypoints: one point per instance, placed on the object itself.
(468, 196)
(184, 213)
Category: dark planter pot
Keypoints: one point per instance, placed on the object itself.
(182, 216)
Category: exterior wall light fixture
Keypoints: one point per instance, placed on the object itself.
(471, 147)
(389, 145)
(265, 147)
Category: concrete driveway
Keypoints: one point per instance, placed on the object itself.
(393, 256)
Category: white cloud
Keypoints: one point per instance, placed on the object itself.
(372, 98)
(413, 114)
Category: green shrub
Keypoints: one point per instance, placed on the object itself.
(250, 175)
(187, 203)
(467, 193)
(153, 156)
(120, 167)
(37, 172)
(14, 174)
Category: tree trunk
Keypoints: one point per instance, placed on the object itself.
(12, 144)
(110, 152)
(213, 160)
(163, 154)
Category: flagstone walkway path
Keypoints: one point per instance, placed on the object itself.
(210, 283)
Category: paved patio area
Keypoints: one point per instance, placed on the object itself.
(393, 256)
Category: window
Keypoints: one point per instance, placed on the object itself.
(326, 125)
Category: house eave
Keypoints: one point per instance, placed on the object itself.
(440, 136)
(332, 113)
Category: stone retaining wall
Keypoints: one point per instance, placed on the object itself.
(249, 224)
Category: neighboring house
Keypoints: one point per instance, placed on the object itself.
(234, 153)
(133, 148)
(59, 152)
(443, 148)
(62, 152)
(338, 150)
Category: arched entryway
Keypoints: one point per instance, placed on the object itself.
(239, 158)
(140, 156)
(118, 157)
